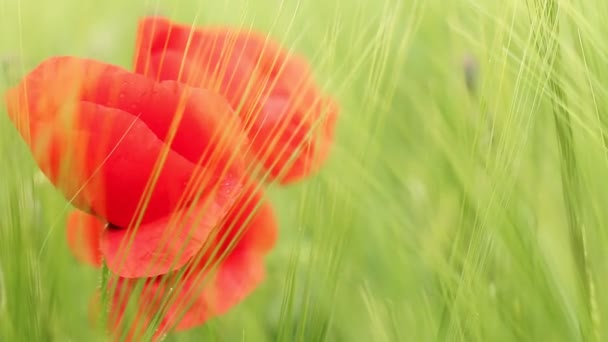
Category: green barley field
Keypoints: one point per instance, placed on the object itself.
(465, 197)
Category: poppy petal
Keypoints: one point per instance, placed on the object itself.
(167, 244)
(288, 119)
(237, 277)
(106, 163)
(201, 292)
(197, 114)
(230, 76)
(112, 154)
(292, 142)
(192, 298)
(251, 223)
(239, 271)
(206, 130)
(83, 233)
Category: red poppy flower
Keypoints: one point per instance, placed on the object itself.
(156, 166)
(289, 121)
(109, 139)
(219, 277)
(155, 161)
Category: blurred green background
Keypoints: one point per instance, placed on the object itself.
(464, 200)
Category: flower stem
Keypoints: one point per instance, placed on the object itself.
(105, 303)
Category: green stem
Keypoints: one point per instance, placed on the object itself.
(105, 302)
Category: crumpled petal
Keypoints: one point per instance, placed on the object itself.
(289, 121)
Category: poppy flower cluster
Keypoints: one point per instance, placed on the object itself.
(166, 164)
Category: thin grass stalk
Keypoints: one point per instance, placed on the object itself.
(547, 39)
